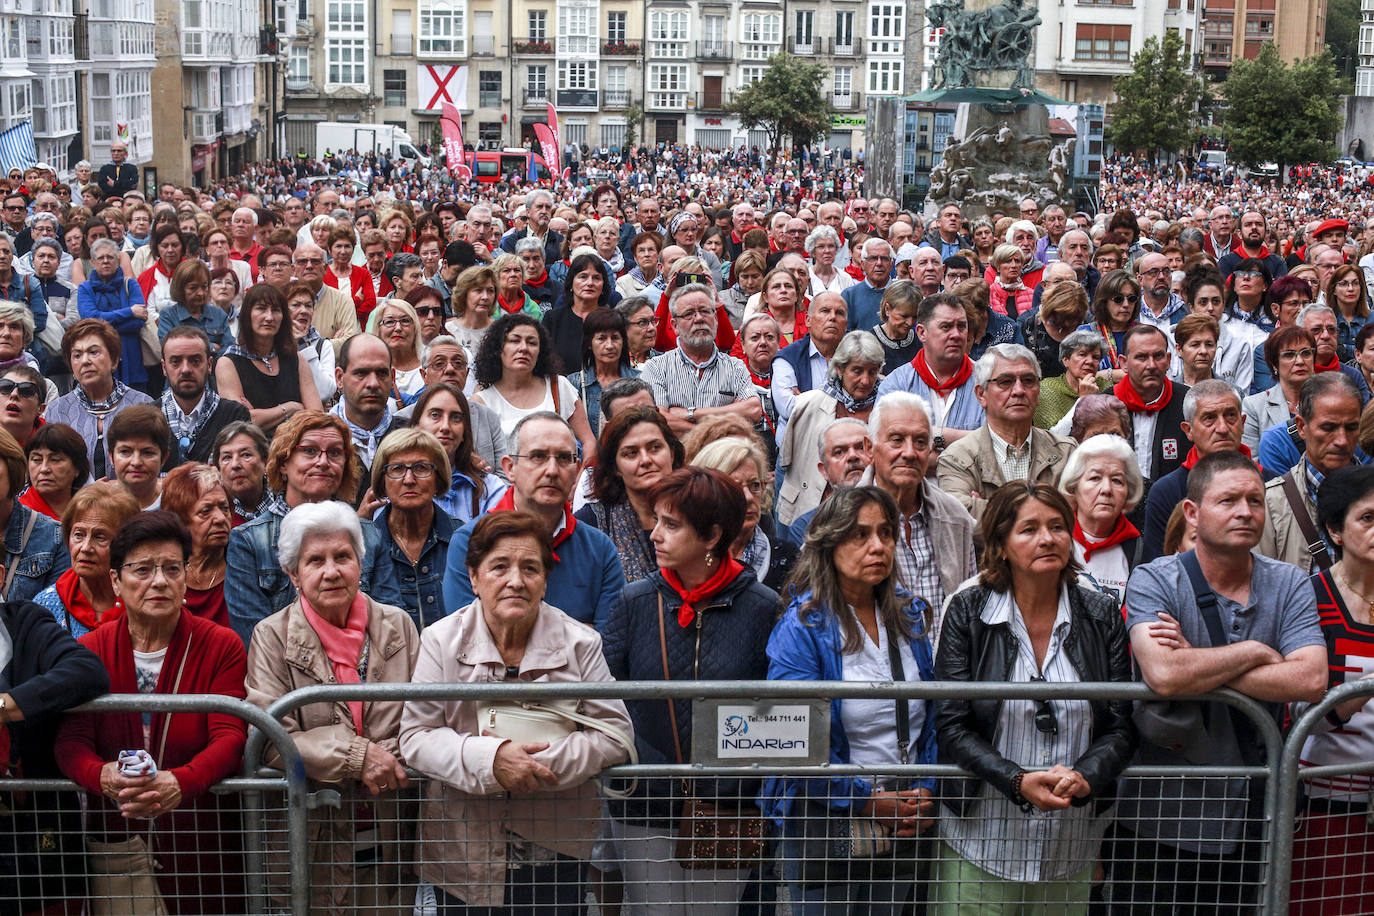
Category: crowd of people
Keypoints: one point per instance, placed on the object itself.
(766, 429)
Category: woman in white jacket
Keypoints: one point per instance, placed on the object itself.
(508, 824)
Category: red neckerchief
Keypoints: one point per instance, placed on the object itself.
(855, 271)
(539, 280)
(35, 501)
(1333, 366)
(507, 504)
(735, 238)
(1263, 253)
(725, 574)
(1193, 457)
(923, 370)
(1133, 401)
(68, 587)
(1123, 531)
(512, 309)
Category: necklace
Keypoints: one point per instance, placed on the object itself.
(1369, 609)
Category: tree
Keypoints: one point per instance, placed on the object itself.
(1157, 101)
(788, 102)
(634, 120)
(1342, 34)
(1281, 113)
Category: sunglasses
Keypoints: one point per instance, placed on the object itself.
(1132, 299)
(26, 389)
(430, 311)
(1046, 722)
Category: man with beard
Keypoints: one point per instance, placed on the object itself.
(365, 380)
(240, 454)
(1158, 305)
(695, 380)
(1252, 232)
(1006, 447)
(195, 413)
(845, 453)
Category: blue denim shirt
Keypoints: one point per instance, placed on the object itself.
(256, 587)
(213, 320)
(41, 560)
(422, 582)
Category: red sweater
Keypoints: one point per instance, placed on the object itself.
(359, 287)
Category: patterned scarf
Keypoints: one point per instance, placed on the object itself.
(102, 408)
(186, 427)
(235, 349)
(833, 388)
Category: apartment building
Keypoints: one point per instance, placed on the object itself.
(1235, 30)
(118, 83)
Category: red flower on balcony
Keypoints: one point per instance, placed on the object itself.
(621, 48)
(533, 47)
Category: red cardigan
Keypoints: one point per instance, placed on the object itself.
(359, 287)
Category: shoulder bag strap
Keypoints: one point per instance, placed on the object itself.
(553, 390)
(894, 657)
(1316, 544)
(12, 560)
(672, 707)
(1298, 441)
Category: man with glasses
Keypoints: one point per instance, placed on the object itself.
(695, 380)
(865, 299)
(118, 176)
(445, 360)
(1220, 615)
(16, 215)
(957, 269)
(365, 379)
(542, 466)
(1221, 237)
(335, 315)
(294, 213)
(1029, 209)
(859, 212)
(794, 236)
(1253, 229)
(1320, 321)
(1006, 447)
(1158, 305)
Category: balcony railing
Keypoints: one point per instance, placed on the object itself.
(715, 50)
(712, 101)
(843, 47)
(297, 83)
(666, 100)
(615, 98)
(531, 98)
(533, 46)
(847, 101)
(402, 45)
(804, 47)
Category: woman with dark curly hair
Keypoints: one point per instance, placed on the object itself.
(637, 450)
(587, 287)
(516, 377)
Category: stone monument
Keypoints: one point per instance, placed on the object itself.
(1003, 152)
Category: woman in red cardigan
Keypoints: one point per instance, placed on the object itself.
(157, 646)
(343, 274)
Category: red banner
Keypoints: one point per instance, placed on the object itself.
(452, 123)
(553, 126)
(548, 144)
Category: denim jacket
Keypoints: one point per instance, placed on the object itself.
(41, 560)
(421, 583)
(256, 587)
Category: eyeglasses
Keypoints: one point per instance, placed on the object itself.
(144, 572)
(693, 313)
(304, 261)
(1304, 353)
(1155, 272)
(390, 323)
(540, 456)
(26, 389)
(1132, 298)
(1246, 274)
(430, 311)
(755, 487)
(1008, 382)
(440, 363)
(645, 323)
(312, 453)
(277, 265)
(423, 470)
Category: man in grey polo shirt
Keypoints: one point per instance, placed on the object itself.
(1188, 844)
(695, 380)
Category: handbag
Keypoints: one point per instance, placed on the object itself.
(828, 841)
(123, 873)
(528, 722)
(710, 835)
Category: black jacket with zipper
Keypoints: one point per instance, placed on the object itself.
(727, 640)
(971, 650)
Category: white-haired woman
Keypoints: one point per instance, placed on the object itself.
(1009, 295)
(850, 390)
(822, 245)
(333, 633)
(606, 241)
(1102, 482)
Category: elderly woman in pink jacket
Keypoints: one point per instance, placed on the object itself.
(510, 822)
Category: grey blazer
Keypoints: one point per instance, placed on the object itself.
(1263, 410)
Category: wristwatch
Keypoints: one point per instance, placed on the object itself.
(691, 414)
(937, 440)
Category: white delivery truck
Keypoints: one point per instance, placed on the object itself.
(342, 136)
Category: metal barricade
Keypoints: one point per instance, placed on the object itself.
(204, 856)
(553, 852)
(1323, 835)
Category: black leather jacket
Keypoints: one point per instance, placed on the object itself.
(970, 650)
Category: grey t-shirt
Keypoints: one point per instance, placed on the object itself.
(1197, 813)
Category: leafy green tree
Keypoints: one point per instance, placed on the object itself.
(789, 101)
(1342, 34)
(1157, 101)
(1281, 113)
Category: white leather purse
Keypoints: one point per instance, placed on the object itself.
(540, 723)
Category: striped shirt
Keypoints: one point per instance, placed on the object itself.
(997, 836)
(679, 382)
(1350, 654)
(916, 567)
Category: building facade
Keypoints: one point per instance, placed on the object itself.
(119, 82)
(1235, 30)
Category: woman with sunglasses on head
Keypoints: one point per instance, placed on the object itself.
(1026, 828)
(1116, 309)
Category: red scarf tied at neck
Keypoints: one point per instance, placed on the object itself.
(1194, 457)
(923, 370)
(512, 307)
(1333, 366)
(539, 280)
(1123, 531)
(725, 574)
(1135, 403)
